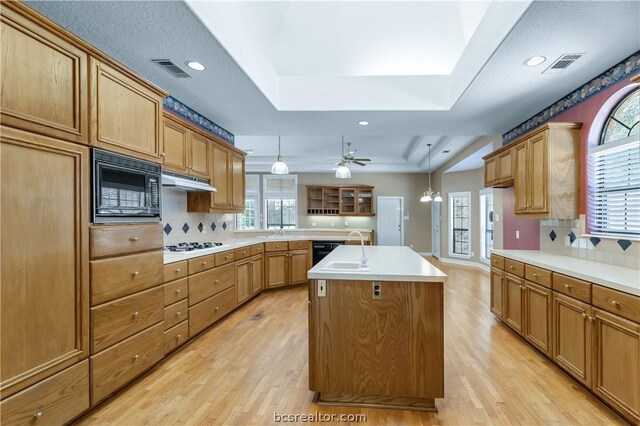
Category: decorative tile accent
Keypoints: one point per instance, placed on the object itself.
(213, 226)
(595, 241)
(572, 237)
(552, 235)
(224, 225)
(185, 227)
(624, 244)
(178, 107)
(200, 227)
(624, 69)
(167, 229)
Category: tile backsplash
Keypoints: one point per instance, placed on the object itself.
(563, 237)
(180, 226)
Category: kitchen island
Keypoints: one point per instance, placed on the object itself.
(376, 333)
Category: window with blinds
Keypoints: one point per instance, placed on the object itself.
(250, 218)
(280, 201)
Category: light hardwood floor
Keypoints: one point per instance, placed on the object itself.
(254, 363)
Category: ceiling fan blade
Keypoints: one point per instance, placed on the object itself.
(362, 159)
(358, 163)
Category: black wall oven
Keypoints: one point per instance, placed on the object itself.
(125, 189)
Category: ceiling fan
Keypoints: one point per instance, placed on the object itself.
(348, 156)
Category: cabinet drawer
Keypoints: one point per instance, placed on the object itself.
(211, 310)
(279, 246)
(257, 249)
(538, 275)
(117, 320)
(573, 287)
(497, 261)
(114, 240)
(121, 276)
(175, 291)
(201, 263)
(299, 245)
(206, 284)
(176, 336)
(514, 267)
(617, 302)
(242, 253)
(113, 368)
(175, 314)
(175, 270)
(55, 400)
(225, 257)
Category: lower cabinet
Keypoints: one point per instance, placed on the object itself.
(248, 278)
(211, 310)
(538, 304)
(286, 267)
(176, 336)
(497, 292)
(257, 274)
(514, 302)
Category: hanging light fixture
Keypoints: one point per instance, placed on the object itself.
(429, 195)
(343, 172)
(279, 167)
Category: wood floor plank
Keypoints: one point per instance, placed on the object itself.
(254, 363)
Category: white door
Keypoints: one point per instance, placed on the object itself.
(435, 229)
(390, 211)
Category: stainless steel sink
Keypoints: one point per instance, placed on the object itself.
(346, 266)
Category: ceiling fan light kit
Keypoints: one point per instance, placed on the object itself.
(279, 167)
(343, 172)
(429, 194)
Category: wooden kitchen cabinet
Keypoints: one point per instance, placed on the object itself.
(299, 264)
(185, 151)
(44, 282)
(46, 90)
(538, 306)
(349, 200)
(505, 166)
(257, 274)
(221, 175)
(237, 182)
(572, 346)
(126, 115)
(497, 292)
(243, 280)
(521, 181)
(616, 377)
(514, 302)
(198, 155)
(276, 269)
(498, 169)
(286, 267)
(491, 171)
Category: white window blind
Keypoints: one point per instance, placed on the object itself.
(280, 201)
(614, 194)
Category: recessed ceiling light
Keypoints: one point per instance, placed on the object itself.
(194, 65)
(534, 60)
(363, 122)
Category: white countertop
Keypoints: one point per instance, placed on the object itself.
(615, 277)
(170, 257)
(386, 263)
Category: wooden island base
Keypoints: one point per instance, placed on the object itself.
(373, 401)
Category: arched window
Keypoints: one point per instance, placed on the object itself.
(614, 173)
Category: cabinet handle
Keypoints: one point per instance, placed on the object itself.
(178, 271)
(244, 252)
(162, 155)
(37, 416)
(615, 303)
(178, 313)
(178, 336)
(204, 263)
(134, 315)
(227, 257)
(135, 273)
(522, 287)
(178, 291)
(217, 309)
(216, 281)
(135, 357)
(535, 275)
(133, 238)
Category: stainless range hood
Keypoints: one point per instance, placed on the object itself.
(186, 183)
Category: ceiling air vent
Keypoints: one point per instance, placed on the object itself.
(562, 63)
(171, 68)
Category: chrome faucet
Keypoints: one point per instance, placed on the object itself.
(364, 260)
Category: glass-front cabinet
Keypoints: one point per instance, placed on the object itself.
(364, 201)
(356, 200)
(347, 201)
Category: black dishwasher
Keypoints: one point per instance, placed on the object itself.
(322, 248)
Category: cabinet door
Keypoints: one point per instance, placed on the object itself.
(490, 171)
(220, 162)
(44, 309)
(299, 265)
(276, 269)
(538, 174)
(514, 302)
(617, 362)
(520, 179)
(127, 116)
(257, 275)
(365, 202)
(238, 190)
(347, 201)
(505, 166)
(243, 281)
(198, 156)
(572, 334)
(538, 306)
(497, 292)
(175, 137)
(44, 80)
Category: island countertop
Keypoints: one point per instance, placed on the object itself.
(386, 263)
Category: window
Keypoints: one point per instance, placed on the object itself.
(614, 173)
(280, 201)
(250, 219)
(460, 224)
(486, 223)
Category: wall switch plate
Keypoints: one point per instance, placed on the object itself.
(322, 288)
(376, 289)
(517, 235)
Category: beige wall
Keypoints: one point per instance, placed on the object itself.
(417, 230)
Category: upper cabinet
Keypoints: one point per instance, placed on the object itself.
(126, 115)
(340, 200)
(543, 167)
(185, 151)
(44, 91)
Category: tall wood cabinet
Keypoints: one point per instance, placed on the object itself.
(44, 187)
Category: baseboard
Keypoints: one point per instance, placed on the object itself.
(469, 263)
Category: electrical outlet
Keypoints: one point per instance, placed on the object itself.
(313, 225)
(411, 245)
(346, 223)
(376, 289)
(322, 288)
(517, 235)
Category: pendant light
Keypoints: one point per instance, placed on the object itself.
(343, 172)
(279, 167)
(429, 195)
